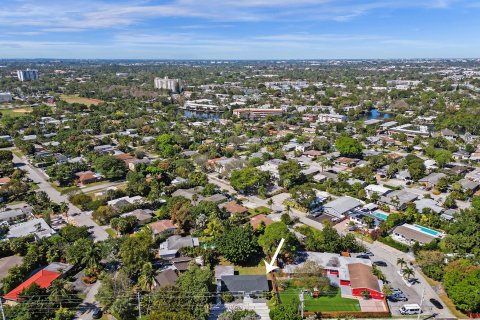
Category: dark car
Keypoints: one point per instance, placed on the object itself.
(368, 253)
(363, 256)
(380, 263)
(97, 313)
(397, 297)
(436, 303)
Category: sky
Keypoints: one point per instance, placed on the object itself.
(240, 29)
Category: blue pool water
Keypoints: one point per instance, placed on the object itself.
(380, 215)
(427, 230)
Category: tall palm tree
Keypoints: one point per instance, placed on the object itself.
(57, 291)
(401, 262)
(92, 256)
(408, 273)
(146, 281)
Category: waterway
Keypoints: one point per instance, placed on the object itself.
(375, 114)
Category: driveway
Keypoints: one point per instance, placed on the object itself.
(86, 308)
(76, 216)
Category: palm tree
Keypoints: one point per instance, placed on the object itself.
(146, 281)
(366, 294)
(408, 273)
(401, 262)
(57, 291)
(387, 290)
(270, 203)
(92, 256)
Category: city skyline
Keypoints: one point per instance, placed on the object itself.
(251, 29)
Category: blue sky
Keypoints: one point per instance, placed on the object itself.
(240, 29)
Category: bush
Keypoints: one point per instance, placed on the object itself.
(227, 297)
(394, 244)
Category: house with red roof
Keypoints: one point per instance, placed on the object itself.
(42, 278)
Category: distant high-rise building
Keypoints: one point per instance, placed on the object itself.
(24, 75)
(174, 85)
(5, 97)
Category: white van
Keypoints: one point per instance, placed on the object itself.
(410, 309)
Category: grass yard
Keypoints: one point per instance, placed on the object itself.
(323, 303)
(74, 98)
(16, 113)
(246, 270)
(112, 233)
(259, 210)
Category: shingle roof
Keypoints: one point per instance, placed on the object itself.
(361, 276)
(245, 283)
(166, 278)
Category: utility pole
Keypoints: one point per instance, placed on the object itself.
(139, 307)
(302, 306)
(1, 308)
(421, 303)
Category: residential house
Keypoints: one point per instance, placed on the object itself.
(162, 226)
(143, 216)
(170, 247)
(352, 275)
(165, 278)
(233, 208)
(87, 177)
(469, 185)
(42, 278)
(376, 189)
(37, 227)
(15, 215)
(432, 179)
(260, 219)
(426, 203)
(245, 285)
(339, 208)
(409, 234)
(119, 203)
(398, 199)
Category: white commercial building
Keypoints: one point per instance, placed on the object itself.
(327, 118)
(24, 75)
(174, 85)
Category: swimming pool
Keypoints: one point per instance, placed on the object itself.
(380, 215)
(428, 230)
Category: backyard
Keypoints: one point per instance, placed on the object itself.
(325, 303)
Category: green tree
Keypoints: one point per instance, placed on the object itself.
(146, 281)
(285, 312)
(270, 239)
(461, 281)
(349, 147)
(249, 180)
(238, 244)
(110, 167)
(290, 173)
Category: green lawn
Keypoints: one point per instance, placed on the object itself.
(325, 303)
(17, 112)
(259, 210)
(111, 232)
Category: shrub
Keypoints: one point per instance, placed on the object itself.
(394, 244)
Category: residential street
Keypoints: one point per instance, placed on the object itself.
(86, 308)
(76, 216)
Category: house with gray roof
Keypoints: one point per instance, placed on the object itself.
(432, 179)
(398, 199)
(427, 203)
(340, 207)
(245, 284)
(169, 248)
(11, 216)
(38, 227)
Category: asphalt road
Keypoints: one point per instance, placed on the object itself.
(76, 216)
(381, 252)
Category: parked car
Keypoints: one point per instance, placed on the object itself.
(396, 290)
(363, 256)
(436, 303)
(368, 253)
(409, 309)
(397, 297)
(380, 263)
(97, 313)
